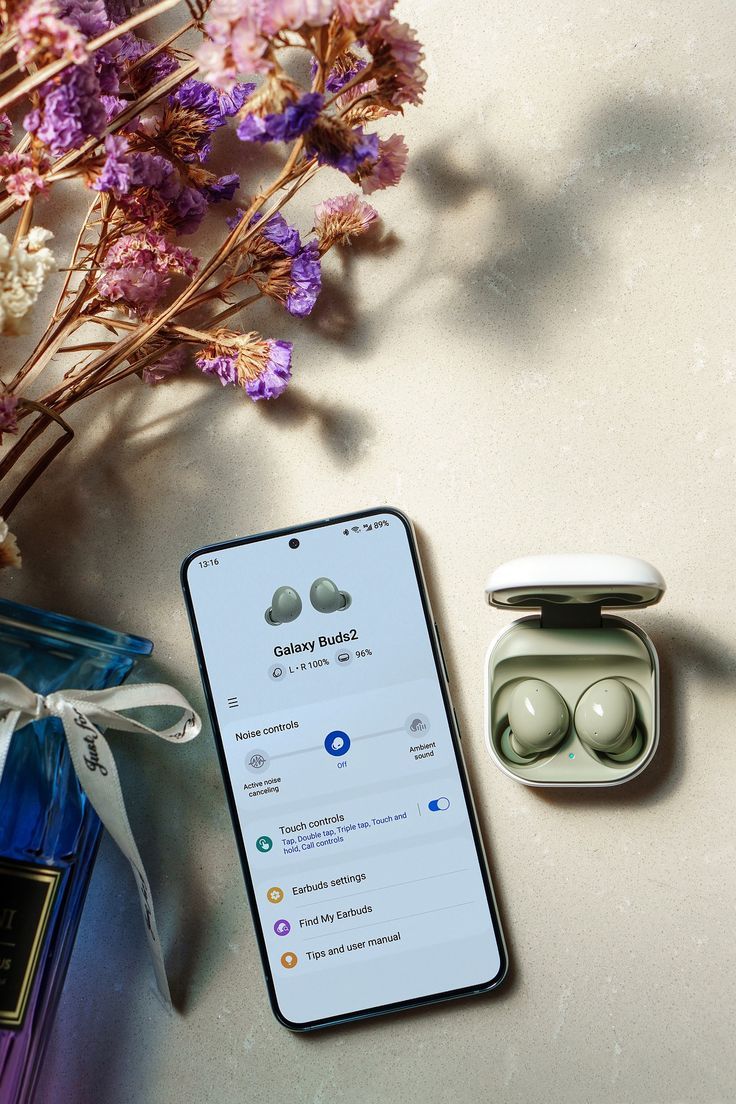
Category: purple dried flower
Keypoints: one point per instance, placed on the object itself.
(232, 101)
(215, 106)
(361, 147)
(339, 76)
(275, 376)
(233, 220)
(254, 128)
(224, 188)
(151, 170)
(71, 112)
(113, 105)
(285, 126)
(107, 72)
(222, 365)
(88, 16)
(117, 174)
(189, 209)
(8, 414)
(296, 118)
(277, 230)
(129, 48)
(118, 10)
(306, 279)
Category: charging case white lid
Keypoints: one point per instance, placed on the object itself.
(588, 578)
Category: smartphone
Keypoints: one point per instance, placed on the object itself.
(342, 762)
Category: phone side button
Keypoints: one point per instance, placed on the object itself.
(442, 654)
(457, 723)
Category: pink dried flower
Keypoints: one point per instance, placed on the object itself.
(8, 414)
(42, 35)
(388, 170)
(6, 132)
(283, 15)
(22, 174)
(338, 219)
(170, 364)
(239, 31)
(364, 11)
(396, 62)
(236, 44)
(137, 269)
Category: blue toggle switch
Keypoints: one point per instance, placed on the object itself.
(439, 804)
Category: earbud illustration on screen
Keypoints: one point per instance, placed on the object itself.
(326, 598)
(286, 605)
(605, 720)
(538, 720)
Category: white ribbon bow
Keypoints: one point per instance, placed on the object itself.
(78, 710)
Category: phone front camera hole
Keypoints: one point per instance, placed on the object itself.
(293, 543)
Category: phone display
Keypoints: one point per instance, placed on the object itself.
(341, 759)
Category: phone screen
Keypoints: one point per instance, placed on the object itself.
(360, 850)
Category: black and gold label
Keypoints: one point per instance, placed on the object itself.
(26, 899)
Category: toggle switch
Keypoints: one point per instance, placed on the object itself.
(439, 804)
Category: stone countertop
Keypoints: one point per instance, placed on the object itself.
(542, 358)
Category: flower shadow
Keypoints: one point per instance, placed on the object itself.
(345, 431)
(534, 250)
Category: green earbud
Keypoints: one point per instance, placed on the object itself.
(605, 720)
(538, 720)
(286, 605)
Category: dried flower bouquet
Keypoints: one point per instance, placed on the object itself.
(134, 122)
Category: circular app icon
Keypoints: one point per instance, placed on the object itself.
(416, 724)
(289, 960)
(337, 743)
(275, 895)
(256, 760)
(264, 843)
(282, 927)
(278, 671)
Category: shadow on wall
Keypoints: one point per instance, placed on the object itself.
(535, 250)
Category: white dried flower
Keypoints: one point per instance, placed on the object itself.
(23, 270)
(9, 551)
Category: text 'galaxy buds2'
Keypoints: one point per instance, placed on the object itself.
(286, 605)
(326, 598)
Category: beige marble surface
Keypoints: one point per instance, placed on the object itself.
(545, 360)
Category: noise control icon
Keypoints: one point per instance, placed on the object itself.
(257, 760)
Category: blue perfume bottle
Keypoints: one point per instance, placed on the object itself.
(49, 832)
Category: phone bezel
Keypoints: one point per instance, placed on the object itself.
(400, 1006)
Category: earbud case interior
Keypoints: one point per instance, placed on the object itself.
(571, 644)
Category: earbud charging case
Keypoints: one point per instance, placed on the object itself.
(571, 644)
